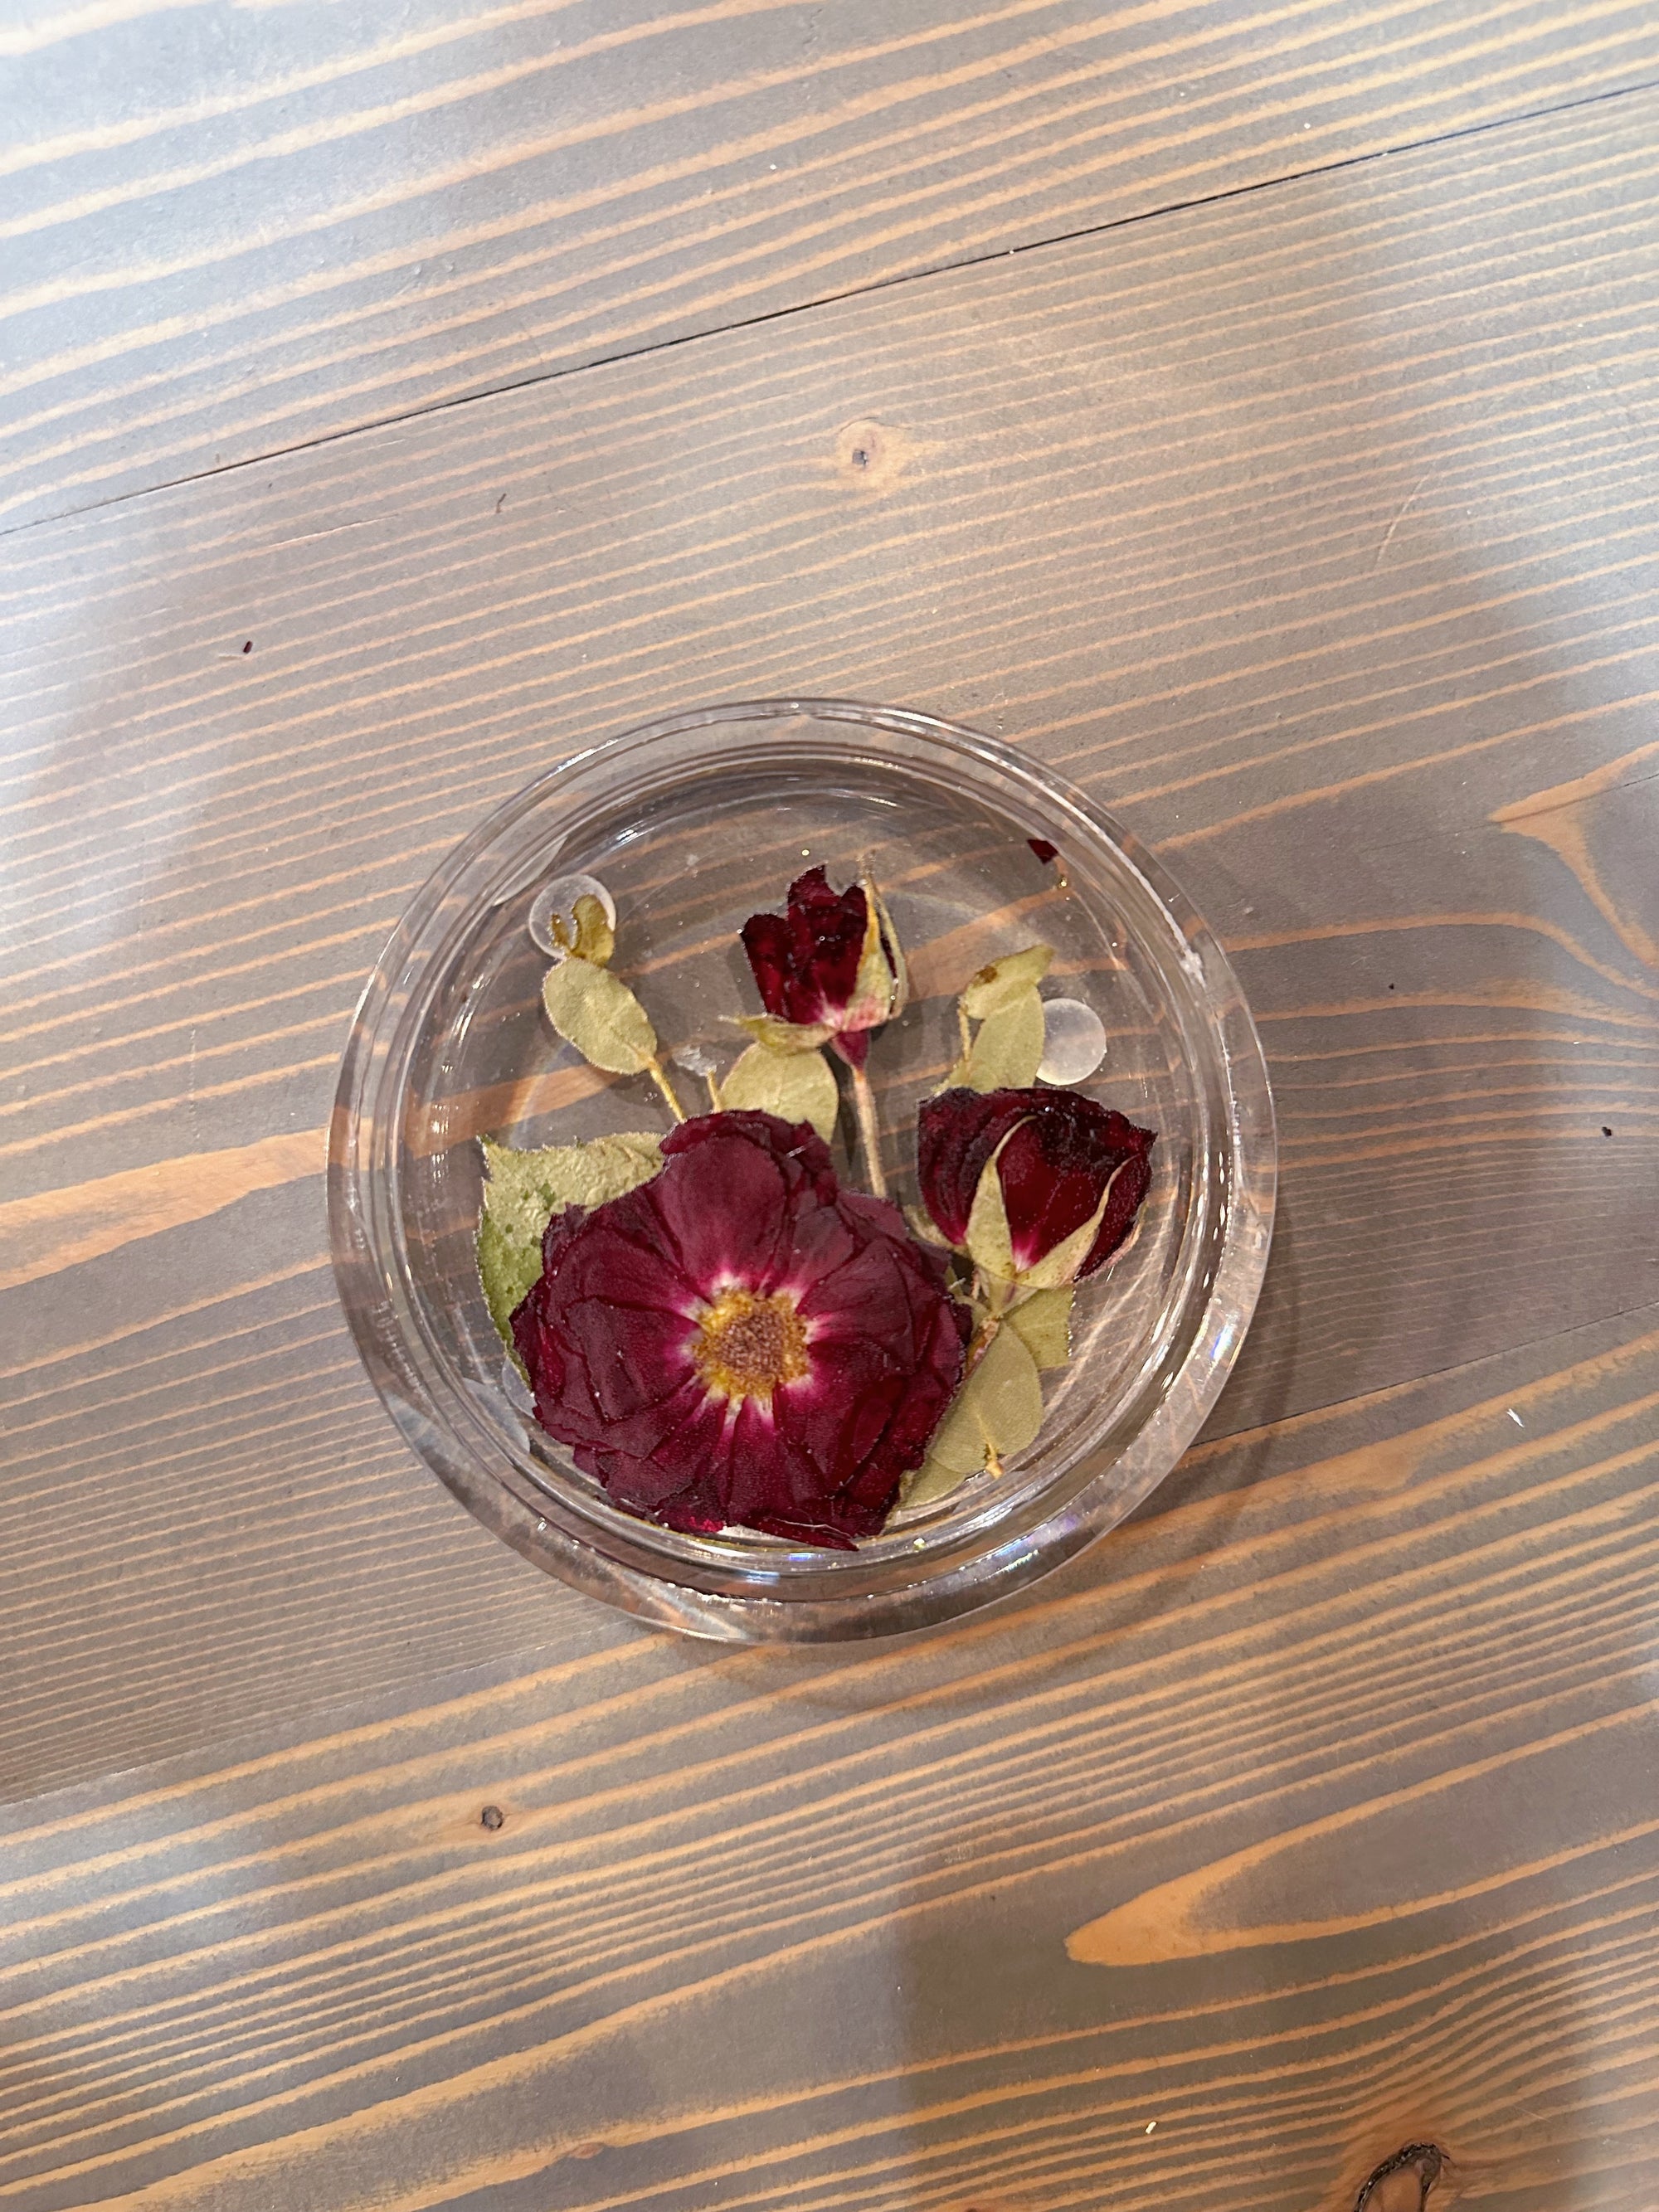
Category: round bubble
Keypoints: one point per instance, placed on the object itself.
(1073, 1041)
(559, 897)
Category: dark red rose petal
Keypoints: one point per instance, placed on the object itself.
(1055, 1168)
(765, 939)
(1044, 851)
(1062, 1153)
(805, 961)
(1130, 1184)
(1051, 1184)
(852, 1045)
(830, 928)
(956, 1132)
(609, 1336)
(797, 1144)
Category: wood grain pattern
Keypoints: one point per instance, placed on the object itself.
(58, 1229)
(1297, 1848)
(1314, 533)
(225, 231)
(1311, 1817)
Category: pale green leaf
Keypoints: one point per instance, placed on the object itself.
(797, 1086)
(894, 949)
(621, 1161)
(874, 999)
(533, 1181)
(784, 1036)
(931, 1481)
(1006, 1395)
(527, 1187)
(1043, 1322)
(1005, 1053)
(996, 1414)
(922, 1227)
(989, 1240)
(959, 1074)
(508, 1268)
(1060, 1264)
(1004, 981)
(600, 1016)
(596, 940)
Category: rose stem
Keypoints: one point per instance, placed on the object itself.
(864, 1105)
(658, 1076)
(980, 1344)
(996, 1296)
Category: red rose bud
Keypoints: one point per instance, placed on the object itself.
(1037, 1185)
(739, 1341)
(828, 964)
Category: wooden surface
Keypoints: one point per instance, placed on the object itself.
(1313, 529)
(1316, 1819)
(226, 230)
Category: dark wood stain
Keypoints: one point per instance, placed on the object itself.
(1296, 1848)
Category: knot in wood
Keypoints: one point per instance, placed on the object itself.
(1402, 2182)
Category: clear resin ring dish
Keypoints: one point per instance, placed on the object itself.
(689, 825)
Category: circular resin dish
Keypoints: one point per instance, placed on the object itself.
(691, 824)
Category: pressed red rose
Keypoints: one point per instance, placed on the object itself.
(1055, 1156)
(828, 961)
(739, 1341)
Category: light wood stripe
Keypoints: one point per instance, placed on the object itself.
(62, 1228)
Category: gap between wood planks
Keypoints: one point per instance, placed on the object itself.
(879, 284)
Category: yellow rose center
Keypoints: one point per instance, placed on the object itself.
(747, 1345)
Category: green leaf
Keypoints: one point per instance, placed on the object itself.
(989, 1240)
(508, 1268)
(1008, 1048)
(1005, 980)
(534, 1181)
(875, 989)
(894, 949)
(600, 1016)
(797, 1086)
(931, 1480)
(922, 1227)
(1005, 1395)
(783, 1036)
(527, 1187)
(1043, 1322)
(996, 1414)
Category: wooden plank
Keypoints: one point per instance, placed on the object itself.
(225, 231)
(1315, 532)
(1311, 1820)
